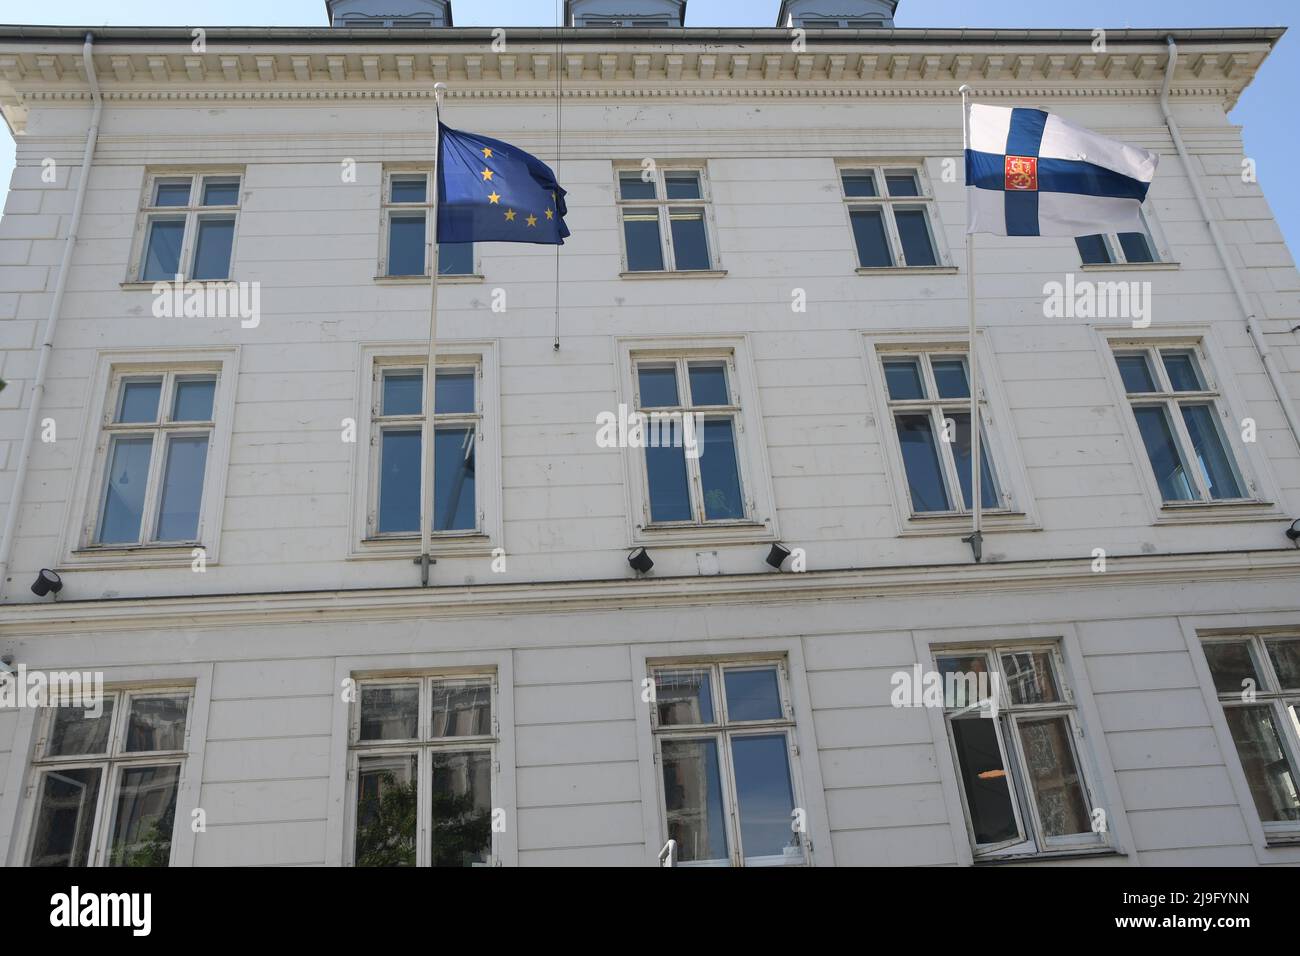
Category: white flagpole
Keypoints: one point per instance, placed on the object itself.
(976, 539)
(428, 496)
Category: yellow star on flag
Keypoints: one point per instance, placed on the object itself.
(532, 221)
(487, 152)
(487, 175)
(494, 198)
(549, 214)
(510, 215)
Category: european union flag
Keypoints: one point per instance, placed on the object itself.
(490, 191)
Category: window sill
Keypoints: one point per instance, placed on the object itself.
(135, 285)
(1205, 512)
(1050, 856)
(682, 274)
(684, 536)
(1131, 266)
(906, 270)
(1283, 842)
(139, 556)
(991, 521)
(388, 549)
(426, 280)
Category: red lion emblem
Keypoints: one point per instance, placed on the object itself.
(1022, 173)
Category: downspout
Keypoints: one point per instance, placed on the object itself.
(52, 322)
(1265, 354)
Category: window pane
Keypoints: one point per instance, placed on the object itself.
(1136, 247)
(1207, 442)
(406, 246)
(632, 186)
(453, 484)
(76, 733)
(456, 259)
(859, 183)
(961, 451)
(1285, 655)
(690, 242)
(709, 384)
(658, 386)
(918, 250)
(182, 489)
(453, 392)
(641, 231)
(461, 798)
(390, 713)
(162, 255)
(1268, 769)
(984, 779)
(753, 693)
(1183, 374)
(193, 401)
(1136, 373)
(720, 471)
(410, 189)
(403, 393)
(1163, 454)
(212, 254)
(462, 708)
(869, 234)
(1093, 250)
(1232, 666)
(903, 379)
(966, 680)
(1030, 678)
(139, 401)
(683, 697)
(65, 817)
(670, 498)
(693, 800)
(683, 185)
(386, 806)
(921, 461)
(902, 184)
(145, 816)
(1050, 765)
(399, 481)
(766, 797)
(128, 472)
(156, 723)
(217, 192)
(950, 378)
(172, 194)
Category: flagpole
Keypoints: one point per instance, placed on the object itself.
(976, 539)
(428, 495)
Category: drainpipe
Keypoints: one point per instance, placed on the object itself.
(1265, 354)
(52, 322)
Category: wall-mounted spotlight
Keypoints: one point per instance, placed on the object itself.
(1293, 532)
(776, 557)
(47, 582)
(640, 561)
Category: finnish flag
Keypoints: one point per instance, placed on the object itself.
(1031, 173)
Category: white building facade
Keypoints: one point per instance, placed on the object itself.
(768, 235)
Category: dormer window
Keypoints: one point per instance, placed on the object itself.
(625, 13)
(389, 14)
(837, 14)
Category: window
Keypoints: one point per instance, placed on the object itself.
(188, 227)
(929, 403)
(106, 784)
(892, 216)
(685, 485)
(599, 21)
(154, 452)
(823, 22)
(724, 742)
(1020, 774)
(1257, 679)
(665, 228)
(1119, 248)
(422, 765)
(398, 430)
(408, 204)
(1179, 417)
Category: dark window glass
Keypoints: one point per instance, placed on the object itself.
(128, 473)
(182, 488)
(683, 697)
(386, 810)
(962, 449)
(212, 252)
(861, 183)
(162, 257)
(1136, 247)
(753, 693)
(709, 384)
(1163, 453)
(406, 246)
(390, 713)
(139, 401)
(869, 234)
(172, 194)
(1265, 762)
(632, 186)
(902, 184)
(720, 472)
(65, 817)
(658, 386)
(1207, 443)
(764, 794)
(921, 461)
(403, 393)
(903, 379)
(1136, 373)
(984, 779)
(641, 231)
(1093, 250)
(145, 816)
(918, 250)
(670, 498)
(454, 392)
(683, 185)
(399, 481)
(1183, 376)
(218, 193)
(690, 239)
(454, 479)
(1232, 666)
(693, 799)
(193, 401)
(950, 378)
(461, 808)
(456, 259)
(410, 189)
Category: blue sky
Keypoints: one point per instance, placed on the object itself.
(1270, 138)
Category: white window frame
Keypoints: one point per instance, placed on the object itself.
(888, 205)
(664, 206)
(388, 209)
(84, 507)
(373, 361)
(759, 523)
(1155, 240)
(191, 213)
(1001, 443)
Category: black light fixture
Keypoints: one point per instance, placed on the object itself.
(1293, 532)
(640, 560)
(47, 582)
(776, 557)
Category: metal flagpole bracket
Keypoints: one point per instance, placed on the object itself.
(976, 542)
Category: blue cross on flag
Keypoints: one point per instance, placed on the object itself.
(1031, 173)
(489, 191)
